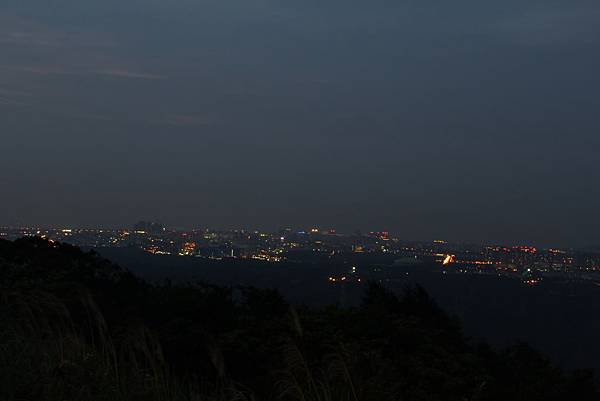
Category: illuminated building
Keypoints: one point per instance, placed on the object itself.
(188, 249)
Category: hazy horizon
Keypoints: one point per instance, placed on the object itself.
(306, 228)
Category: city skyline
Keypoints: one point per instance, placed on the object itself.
(36, 229)
(343, 229)
(350, 252)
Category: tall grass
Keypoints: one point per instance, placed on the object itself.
(45, 356)
(335, 375)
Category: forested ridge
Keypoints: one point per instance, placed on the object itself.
(74, 326)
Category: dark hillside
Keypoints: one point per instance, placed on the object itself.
(77, 327)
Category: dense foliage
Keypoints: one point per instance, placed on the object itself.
(76, 327)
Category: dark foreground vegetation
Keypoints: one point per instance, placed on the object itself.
(76, 327)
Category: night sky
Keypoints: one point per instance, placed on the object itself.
(462, 120)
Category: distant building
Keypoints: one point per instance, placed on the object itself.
(149, 227)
